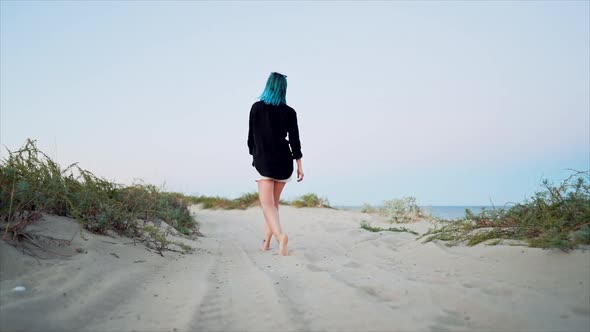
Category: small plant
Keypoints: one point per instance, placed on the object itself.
(154, 237)
(367, 208)
(402, 210)
(365, 225)
(185, 247)
(311, 200)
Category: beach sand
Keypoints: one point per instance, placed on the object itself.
(338, 277)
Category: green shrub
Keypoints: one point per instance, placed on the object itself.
(247, 200)
(311, 200)
(402, 210)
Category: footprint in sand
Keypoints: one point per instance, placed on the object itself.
(369, 290)
(314, 268)
(450, 320)
(310, 257)
(487, 290)
(497, 291)
(352, 265)
(469, 285)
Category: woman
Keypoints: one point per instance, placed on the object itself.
(271, 120)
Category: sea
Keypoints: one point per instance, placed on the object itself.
(448, 212)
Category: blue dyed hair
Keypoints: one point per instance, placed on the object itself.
(276, 90)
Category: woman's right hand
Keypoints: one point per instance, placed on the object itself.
(299, 170)
(299, 174)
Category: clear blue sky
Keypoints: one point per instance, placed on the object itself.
(451, 102)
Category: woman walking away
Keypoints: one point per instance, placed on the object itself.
(271, 120)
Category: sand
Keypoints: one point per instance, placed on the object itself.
(338, 277)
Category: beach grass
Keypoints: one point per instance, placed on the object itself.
(248, 200)
(32, 183)
(215, 202)
(558, 216)
(367, 226)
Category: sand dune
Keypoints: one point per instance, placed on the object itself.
(337, 278)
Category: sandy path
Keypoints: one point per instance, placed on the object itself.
(338, 278)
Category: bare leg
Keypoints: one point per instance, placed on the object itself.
(267, 229)
(271, 213)
(267, 237)
(278, 189)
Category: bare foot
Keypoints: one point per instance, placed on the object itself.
(265, 245)
(266, 241)
(283, 246)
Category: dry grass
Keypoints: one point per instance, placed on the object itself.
(365, 225)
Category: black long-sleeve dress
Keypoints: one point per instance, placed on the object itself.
(272, 152)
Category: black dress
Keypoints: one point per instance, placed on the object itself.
(272, 153)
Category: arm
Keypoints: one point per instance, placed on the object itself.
(299, 171)
(296, 146)
(294, 138)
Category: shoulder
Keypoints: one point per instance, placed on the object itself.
(258, 104)
(288, 109)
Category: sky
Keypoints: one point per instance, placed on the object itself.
(454, 103)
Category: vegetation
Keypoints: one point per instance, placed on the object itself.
(398, 210)
(243, 202)
(402, 210)
(367, 208)
(31, 183)
(556, 217)
(153, 237)
(251, 199)
(365, 225)
(311, 200)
